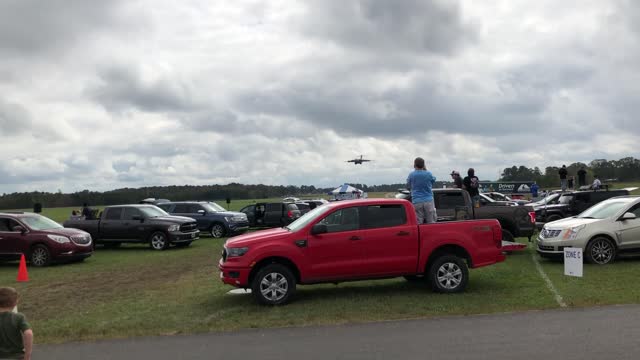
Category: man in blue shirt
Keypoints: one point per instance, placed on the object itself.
(420, 182)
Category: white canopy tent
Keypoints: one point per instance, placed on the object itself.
(347, 192)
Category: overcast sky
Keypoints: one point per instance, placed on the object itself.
(107, 94)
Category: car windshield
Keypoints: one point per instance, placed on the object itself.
(565, 199)
(153, 211)
(548, 199)
(213, 207)
(307, 218)
(605, 209)
(38, 222)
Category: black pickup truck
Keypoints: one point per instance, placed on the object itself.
(573, 203)
(139, 224)
(456, 204)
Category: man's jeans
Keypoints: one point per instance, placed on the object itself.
(563, 184)
(426, 212)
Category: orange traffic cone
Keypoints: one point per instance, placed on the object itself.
(23, 275)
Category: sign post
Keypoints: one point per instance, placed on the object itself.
(573, 262)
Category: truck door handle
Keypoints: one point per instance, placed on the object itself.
(403, 233)
(354, 238)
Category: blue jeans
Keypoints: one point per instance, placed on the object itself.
(563, 184)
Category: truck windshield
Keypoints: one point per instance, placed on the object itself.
(213, 207)
(38, 222)
(605, 209)
(307, 218)
(153, 211)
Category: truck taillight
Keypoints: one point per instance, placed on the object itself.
(532, 215)
(290, 214)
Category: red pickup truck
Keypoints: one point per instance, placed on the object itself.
(355, 240)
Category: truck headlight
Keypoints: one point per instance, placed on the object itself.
(173, 228)
(572, 233)
(237, 218)
(59, 239)
(235, 252)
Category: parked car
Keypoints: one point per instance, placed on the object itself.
(40, 239)
(211, 217)
(572, 203)
(355, 240)
(272, 214)
(603, 231)
(154, 201)
(139, 224)
(502, 197)
(456, 204)
(303, 207)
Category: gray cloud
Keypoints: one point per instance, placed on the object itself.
(14, 119)
(30, 27)
(415, 26)
(122, 87)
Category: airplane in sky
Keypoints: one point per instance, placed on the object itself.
(357, 161)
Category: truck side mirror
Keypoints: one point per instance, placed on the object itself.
(319, 229)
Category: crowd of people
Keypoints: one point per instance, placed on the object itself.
(567, 181)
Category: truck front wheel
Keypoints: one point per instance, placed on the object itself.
(274, 284)
(159, 241)
(448, 274)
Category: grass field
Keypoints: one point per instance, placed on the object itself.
(134, 291)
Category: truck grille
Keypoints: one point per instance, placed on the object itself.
(81, 239)
(545, 248)
(547, 234)
(189, 227)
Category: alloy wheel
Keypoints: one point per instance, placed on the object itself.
(40, 256)
(274, 286)
(449, 275)
(601, 251)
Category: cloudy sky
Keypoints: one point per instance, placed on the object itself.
(107, 94)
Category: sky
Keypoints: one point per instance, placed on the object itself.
(101, 95)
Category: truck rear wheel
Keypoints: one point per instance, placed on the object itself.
(507, 235)
(448, 274)
(274, 284)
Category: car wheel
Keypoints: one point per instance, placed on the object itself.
(183, 244)
(600, 251)
(448, 274)
(40, 256)
(507, 235)
(159, 241)
(274, 284)
(554, 218)
(217, 231)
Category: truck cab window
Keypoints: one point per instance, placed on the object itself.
(113, 214)
(381, 216)
(342, 220)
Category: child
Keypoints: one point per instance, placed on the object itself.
(16, 336)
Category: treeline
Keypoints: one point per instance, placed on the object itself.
(626, 169)
(233, 191)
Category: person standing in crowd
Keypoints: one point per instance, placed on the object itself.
(420, 182)
(582, 177)
(563, 177)
(596, 183)
(472, 185)
(457, 180)
(534, 190)
(570, 182)
(16, 336)
(86, 211)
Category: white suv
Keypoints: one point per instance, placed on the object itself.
(602, 231)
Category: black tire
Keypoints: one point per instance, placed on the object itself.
(159, 241)
(507, 235)
(112, 245)
(414, 278)
(217, 230)
(183, 244)
(600, 251)
(274, 284)
(40, 256)
(448, 274)
(553, 218)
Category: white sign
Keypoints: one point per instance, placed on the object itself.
(573, 262)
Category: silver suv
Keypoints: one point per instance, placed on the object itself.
(603, 231)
